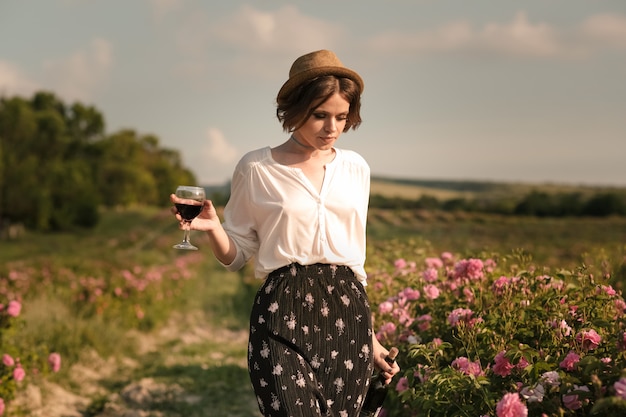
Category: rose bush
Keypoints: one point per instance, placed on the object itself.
(13, 370)
(497, 336)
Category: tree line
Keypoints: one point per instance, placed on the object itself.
(535, 203)
(58, 165)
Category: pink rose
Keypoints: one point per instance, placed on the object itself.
(522, 364)
(400, 263)
(502, 365)
(446, 257)
(1, 406)
(18, 373)
(54, 360)
(467, 367)
(386, 330)
(431, 291)
(7, 360)
(469, 268)
(385, 307)
(459, 314)
(609, 290)
(430, 275)
(433, 263)
(410, 294)
(511, 406)
(570, 361)
(14, 308)
(499, 285)
(590, 339)
(403, 384)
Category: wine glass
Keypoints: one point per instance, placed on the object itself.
(188, 208)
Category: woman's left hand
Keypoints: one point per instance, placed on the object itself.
(380, 353)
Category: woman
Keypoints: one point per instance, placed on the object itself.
(299, 209)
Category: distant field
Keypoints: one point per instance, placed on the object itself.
(446, 190)
(392, 189)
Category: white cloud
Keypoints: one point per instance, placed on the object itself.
(82, 74)
(285, 30)
(14, 82)
(254, 39)
(218, 149)
(520, 37)
(214, 162)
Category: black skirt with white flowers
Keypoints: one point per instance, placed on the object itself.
(310, 349)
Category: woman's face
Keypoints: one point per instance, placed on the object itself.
(325, 125)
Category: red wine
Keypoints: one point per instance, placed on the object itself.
(189, 211)
(377, 391)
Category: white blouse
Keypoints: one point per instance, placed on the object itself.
(275, 215)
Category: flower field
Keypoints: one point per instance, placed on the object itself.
(484, 329)
(500, 336)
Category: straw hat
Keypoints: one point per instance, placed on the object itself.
(313, 65)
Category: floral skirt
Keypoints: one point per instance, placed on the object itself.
(310, 349)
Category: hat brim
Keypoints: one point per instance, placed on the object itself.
(301, 77)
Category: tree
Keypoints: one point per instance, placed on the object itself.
(57, 164)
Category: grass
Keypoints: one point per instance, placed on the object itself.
(188, 353)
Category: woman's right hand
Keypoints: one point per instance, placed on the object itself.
(206, 221)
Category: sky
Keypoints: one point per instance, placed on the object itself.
(498, 90)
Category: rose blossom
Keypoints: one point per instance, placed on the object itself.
(435, 263)
(590, 339)
(469, 268)
(54, 360)
(499, 285)
(459, 314)
(502, 365)
(522, 364)
(430, 275)
(14, 308)
(7, 360)
(570, 361)
(1, 406)
(386, 330)
(400, 263)
(511, 406)
(403, 384)
(410, 294)
(385, 307)
(467, 367)
(18, 373)
(431, 291)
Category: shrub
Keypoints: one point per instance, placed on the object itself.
(495, 336)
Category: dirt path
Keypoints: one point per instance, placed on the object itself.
(188, 368)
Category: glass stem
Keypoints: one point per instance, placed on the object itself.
(186, 231)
